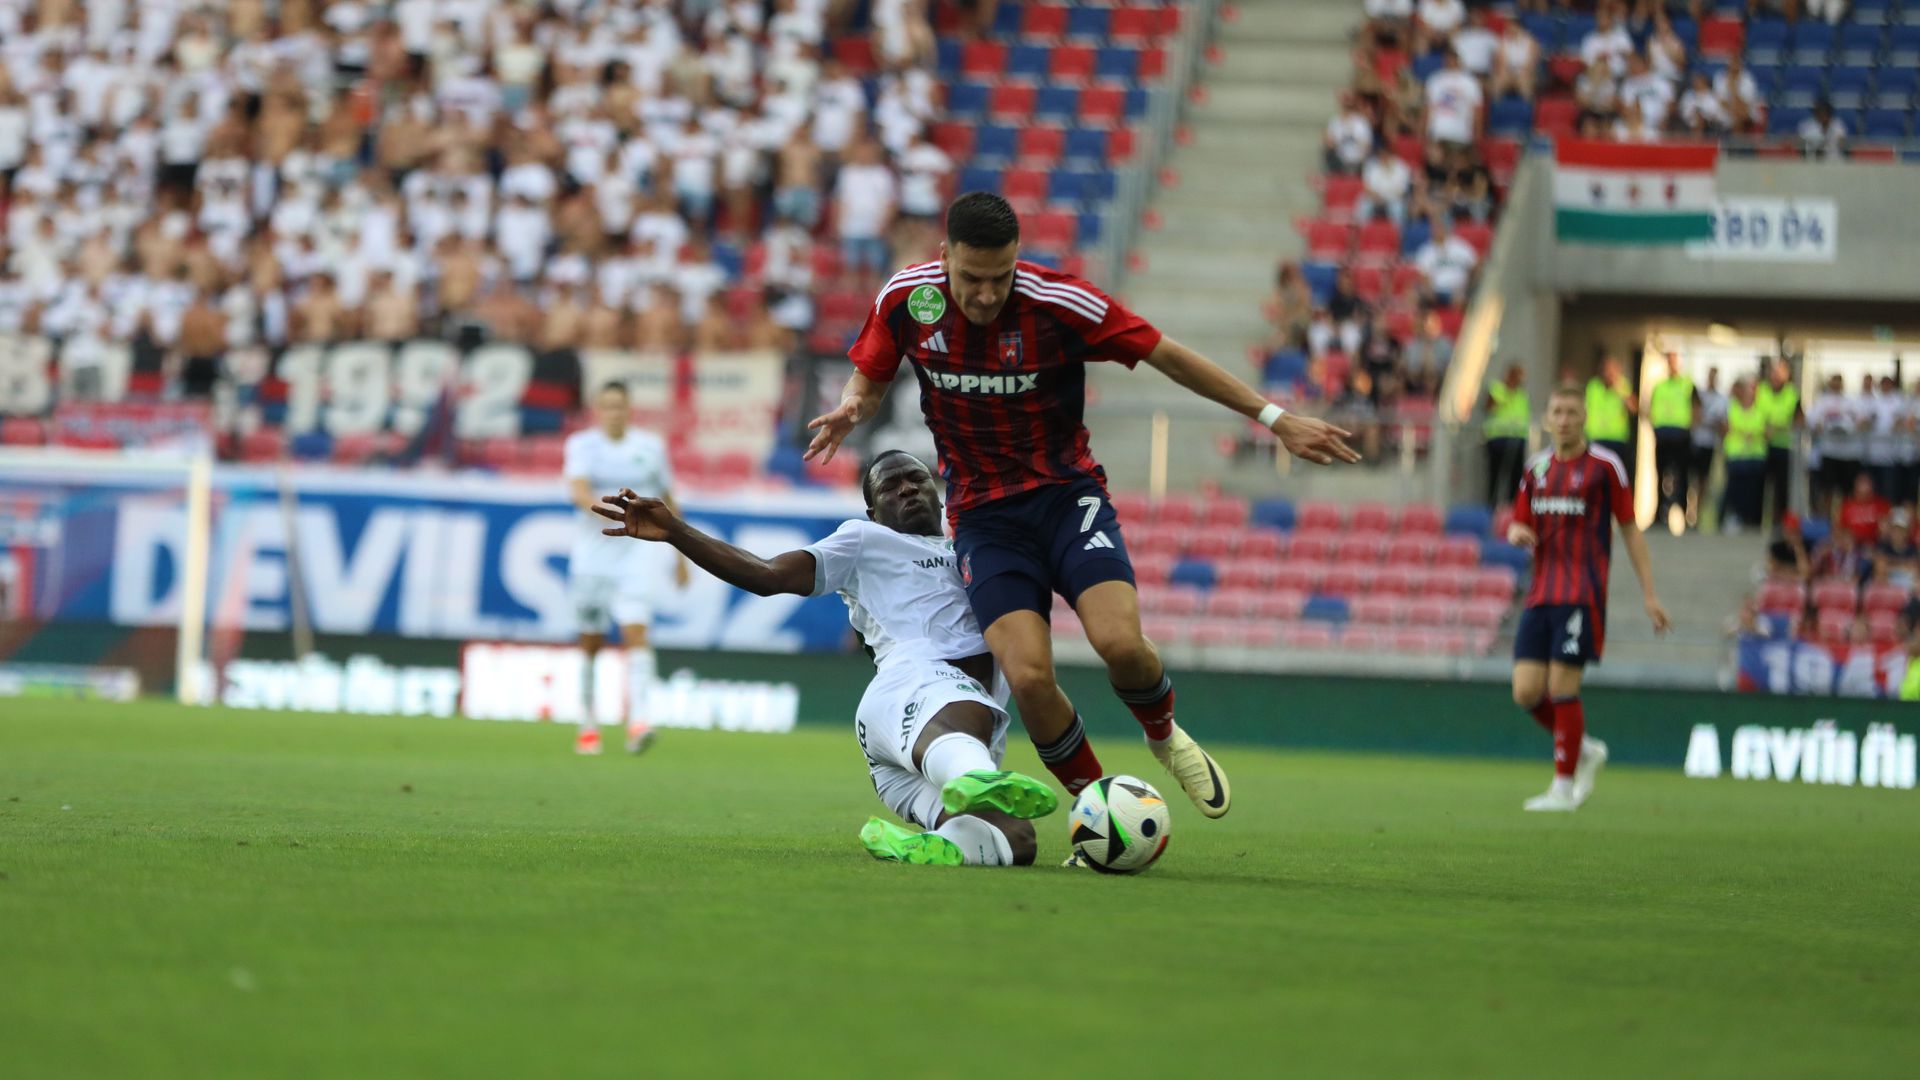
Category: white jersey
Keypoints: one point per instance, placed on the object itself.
(636, 460)
(903, 592)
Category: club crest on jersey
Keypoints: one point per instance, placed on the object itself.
(1010, 349)
(927, 304)
(1540, 469)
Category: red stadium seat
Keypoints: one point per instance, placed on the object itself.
(954, 137)
(1473, 232)
(1433, 612)
(1835, 627)
(1373, 517)
(1040, 145)
(1262, 544)
(1163, 629)
(856, 52)
(1782, 597)
(1321, 517)
(1314, 546)
(1376, 609)
(1379, 239)
(1226, 603)
(1343, 581)
(1410, 550)
(1225, 512)
(1152, 569)
(1153, 64)
(1132, 506)
(1103, 105)
(1446, 581)
(1722, 36)
(1392, 580)
(1864, 152)
(1119, 145)
(1044, 20)
(1327, 241)
(1369, 282)
(1177, 600)
(1260, 635)
(266, 444)
(1884, 598)
(1483, 613)
(1280, 606)
(1338, 194)
(1155, 539)
(1411, 642)
(1010, 103)
(1494, 583)
(1316, 636)
(1359, 637)
(1362, 548)
(1835, 593)
(1450, 642)
(1501, 156)
(1132, 25)
(1071, 63)
(1422, 518)
(1564, 71)
(1026, 189)
(1050, 230)
(1458, 551)
(1210, 544)
(1298, 576)
(1246, 573)
(1556, 115)
(1178, 508)
(22, 431)
(983, 60)
(1883, 627)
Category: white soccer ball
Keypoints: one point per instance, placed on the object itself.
(1119, 824)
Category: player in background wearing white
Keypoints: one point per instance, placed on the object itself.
(610, 580)
(933, 722)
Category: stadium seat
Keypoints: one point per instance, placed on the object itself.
(997, 142)
(1012, 103)
(1107, 105)
(1057, 104)
(1721, 36)
(1849, 87)
(1071, 63)
(1556, 115)
(1410, 550)
(1482, 612)
(1903, 44)
(1338, 194)
(1391, 579)
(1432, 611)
(1024, 187)
(1192, 572)
(1312, 636)
(1224, 512)
(1469, 520)
(1767, 40)
(1039, 146)
(1212, 545)
(1152, 569)
(1313, 546)
(1132, 506)
(1134, 25)
(1328, 240)
(1117, 63)
(1280, 605)
(984, 60)
(1173, 599)
(1090, 186)
(1371, 517)
(1784, 597)
(1262, 543)
(1510, 117)
(1088, 23)
(1341, 580)
(1379, 239)
(1883, 597)
(1050, 229)
(1325, 608)
(1834, 627)
(1177, 508)
(1087, 146)
(1501, 553)
(968, 99)
(1230, 603)
(1894, 88)
(947, 55)
(1495, 583)
(1244, 573)
(1298, 576)
(1813, 40)
(1421, 518)
(955, 138)
(1835, 594)
(1039, 20)
(1458, 551)
(1272, 514)
(1860, 43)
(1322, 517)
(1885, 124)
(1362, 548)
(1379, 610)
(1029, 62)
(1883, 627)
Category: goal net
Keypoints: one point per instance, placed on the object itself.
(105, 576)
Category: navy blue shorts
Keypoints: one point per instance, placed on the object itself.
(1570, 634)
(1016, 552)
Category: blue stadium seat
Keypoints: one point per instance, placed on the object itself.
(1287, 367)
(1860, 45)
(1089, 231)
(1812, 41)
(1088, 22)
(1272, 513)
(1320, 278)
(1903, 44)
(967, 99)
(1813, 531)
(1415, 236)
(1848, 87)
(1688, 31)
(949, 58)
(730, 259)
(1802, 86)
(1785, 120)
(1510, 117)
(1086, 145)
(1137, 103)
(1425, 66)
(1117, 63)
(977, 178)
(995, 141)
(1006, 20)
(1871, 12)
(1074, 186)
(1545, 30)
(1573, 30)
(1193, 572)
(1048, 259)
(1767, 40)
(1326, 609)
(1895, 87)
(1028, 61)
(1884, 124)
(1057, 103)
(1474, 521)
(1501, 553)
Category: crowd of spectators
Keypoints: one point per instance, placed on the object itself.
(192, 177)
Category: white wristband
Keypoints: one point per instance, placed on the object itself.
(1271, 414)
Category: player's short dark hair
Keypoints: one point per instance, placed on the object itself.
(614, 384)
(873, 466)
(982, 219)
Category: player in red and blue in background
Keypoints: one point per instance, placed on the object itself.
(1569, 499)
(999, 347)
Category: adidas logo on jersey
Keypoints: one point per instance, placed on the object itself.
(936, 343)
(985, 384)
(1098, 541)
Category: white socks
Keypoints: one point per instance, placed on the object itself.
(981, 843)
(588, 721)
(642, 672)
(953, 754)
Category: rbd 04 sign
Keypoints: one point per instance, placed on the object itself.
(1821, 754)
(543, 682)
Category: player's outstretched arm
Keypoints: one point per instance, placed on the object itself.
(652, 519)
(1636, 542)
(1303, 436)
(858, 403)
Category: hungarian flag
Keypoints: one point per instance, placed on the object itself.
(1632, 193)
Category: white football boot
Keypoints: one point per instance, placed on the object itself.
(1199, 775)
(1593, 758)
(1557, 799)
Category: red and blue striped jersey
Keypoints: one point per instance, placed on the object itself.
(1571, 506)
(1004, 402)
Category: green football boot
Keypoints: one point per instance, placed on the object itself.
(891, 843)
(1008, 792)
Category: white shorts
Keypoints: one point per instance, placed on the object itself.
(600, 601)
(894, 712)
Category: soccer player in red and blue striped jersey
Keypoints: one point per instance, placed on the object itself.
(1569, 501)
(999, 347)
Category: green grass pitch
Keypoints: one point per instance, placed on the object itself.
(215, 893)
